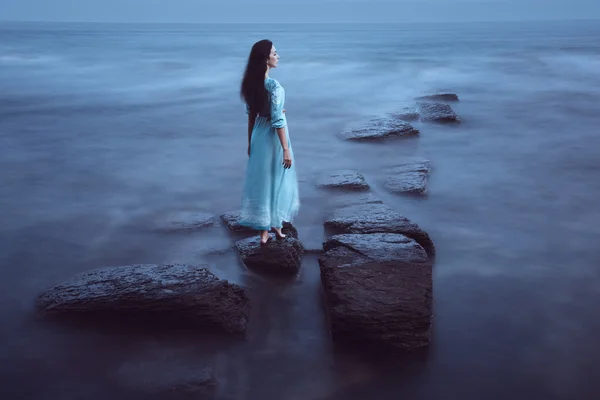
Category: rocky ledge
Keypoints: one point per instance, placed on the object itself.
(344, 179)
(180, 294)
(443, 97)
(281, 257)
(378, 291)
(377, 218)
(380, 129)
(409, 177)
(437, 112)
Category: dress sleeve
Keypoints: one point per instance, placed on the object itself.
(277, 95)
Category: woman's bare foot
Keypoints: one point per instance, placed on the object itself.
(264, 237)
(279, 234)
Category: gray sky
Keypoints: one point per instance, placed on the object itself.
(272, 11)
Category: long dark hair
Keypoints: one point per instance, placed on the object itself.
(253, 90)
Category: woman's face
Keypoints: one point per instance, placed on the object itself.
(273, 58)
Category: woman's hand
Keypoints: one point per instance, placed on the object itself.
(287, 159)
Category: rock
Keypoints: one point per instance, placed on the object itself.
(167, 376)
(410, 177)
(378, 291)
(407, 114)
(381, 128)
(185, 221)
(344, 179)
(377, 218)
(282, 257)
(232, 219)
(163, 293)
(439, 97)
(437, 112)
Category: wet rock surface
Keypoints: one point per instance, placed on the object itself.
(407, 114)
(344, 179)
(280, 257)
(442, 97)
(409, 177)
(380, 129)
(232, 220)
(378, 290)
(377, 218)
(437, 112)
(159, 294)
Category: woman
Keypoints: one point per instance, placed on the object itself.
(271, 187)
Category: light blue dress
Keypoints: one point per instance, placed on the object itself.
(270, 191)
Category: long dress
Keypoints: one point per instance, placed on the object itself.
(270, 194)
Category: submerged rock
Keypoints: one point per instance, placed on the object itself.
(185, 221)
(407, 114)
(232, 220)
(378, 291)
(344, 179)
(377, 218)
(162, 294)
(410, 177)
(440, 97)
(437, 112)
(381, 128)
(282, 257)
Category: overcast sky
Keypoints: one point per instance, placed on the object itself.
(274, 11)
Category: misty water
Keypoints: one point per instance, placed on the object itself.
(106, 129)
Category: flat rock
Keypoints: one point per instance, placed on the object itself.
(167, 376)
(410, 177)
(185, 221)
(232, 220)
(378, 291)
(377, 218)
(407, 114)
(438, 112)
(440, 97)
(380, 129)
(344, 179)
(163, 294)
(283, 257)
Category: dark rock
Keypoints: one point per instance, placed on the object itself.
(407, 114)
(410, 177)
(162, 293)
(378, 290)
(282, 257)
(438, 112)
(381, 128)
(345, 179)
(185, 221)
(439, 97)
(167, 376)
(232, 219)
(377, 218)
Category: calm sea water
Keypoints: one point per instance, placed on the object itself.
(106, 128)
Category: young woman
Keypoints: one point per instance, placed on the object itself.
(271, 187)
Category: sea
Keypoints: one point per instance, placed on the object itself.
(108, 129)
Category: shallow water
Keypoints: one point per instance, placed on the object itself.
(106, 128)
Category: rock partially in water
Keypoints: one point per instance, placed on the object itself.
(344, 179)
(410, 177)
(185, 221)
(162, 294)
(381, 128)
(408, 114)
(167, 377)
(438, 112)
(443, 97)
(377, 218)
(282, 257)
(232, 220)
(378, 290)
